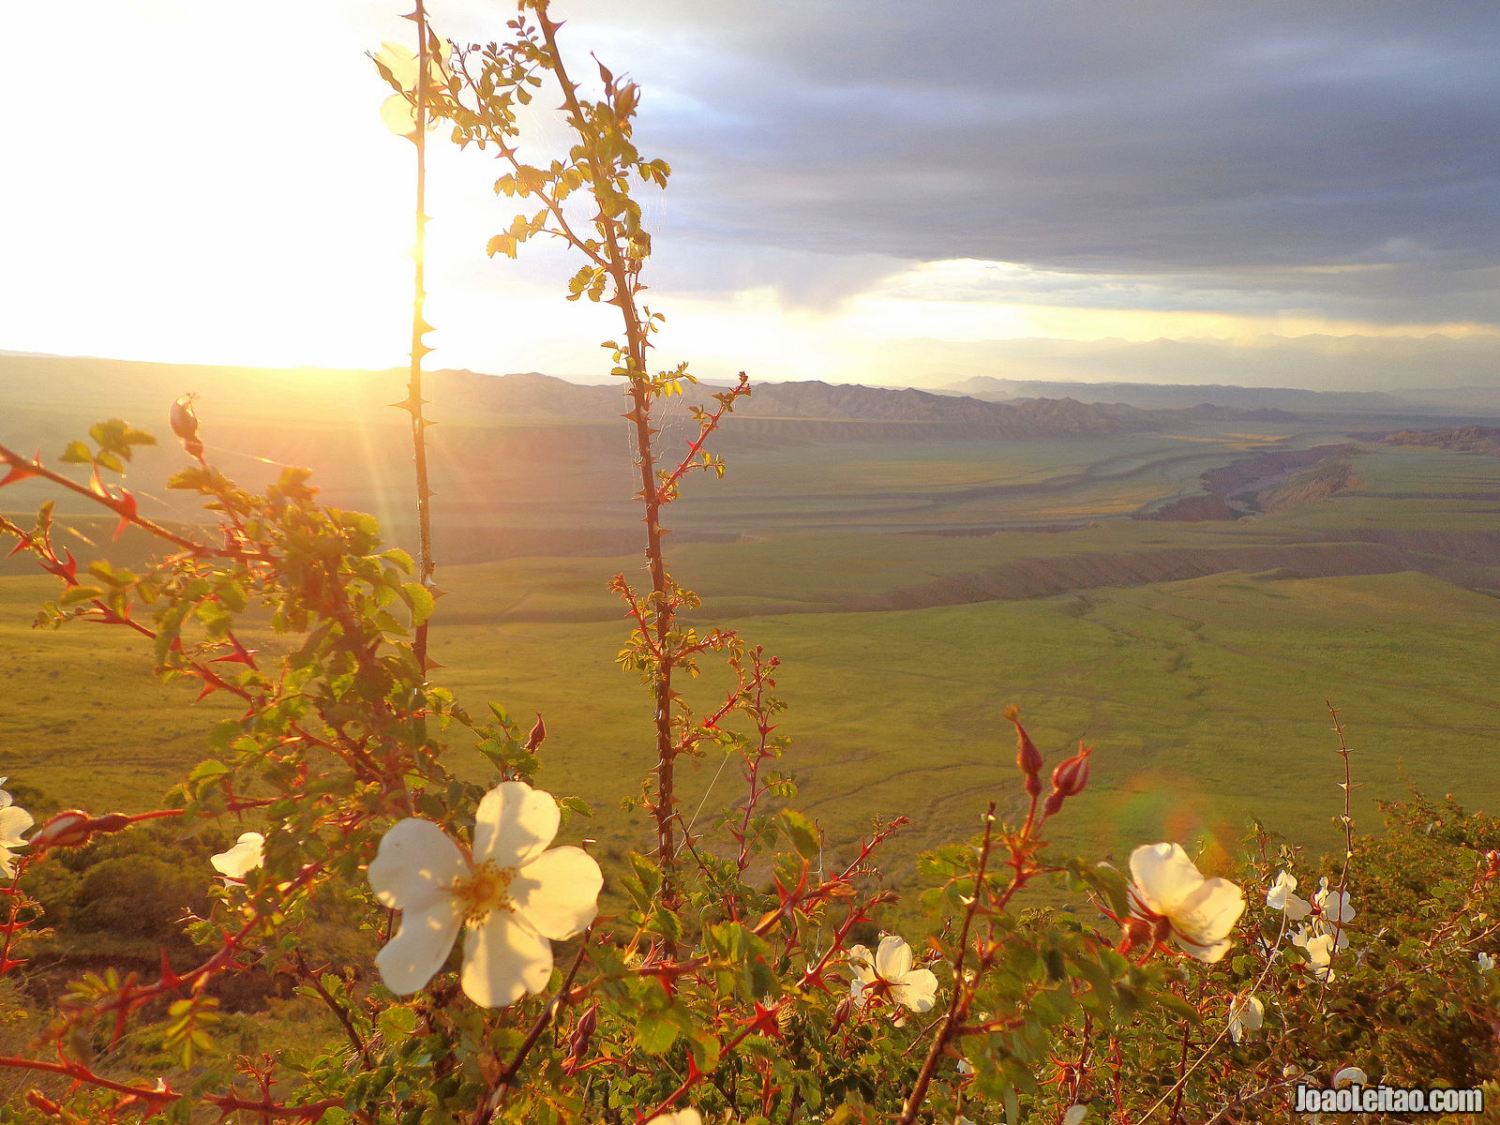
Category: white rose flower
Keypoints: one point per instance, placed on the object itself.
(1317, 928)
(1320, 951)
(1170, 891)
(889, 970)
(1075, 1114)
(1247, 1014)
(1324, 933)
(1485, 960)
(1350, 1075)
(14, 820)
(1333, 907)
(512, 895)
(1280, 897)
(248, 853)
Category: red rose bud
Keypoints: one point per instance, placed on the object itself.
(72, 828)
(1068, 779)
(1072, 775)
(1028, 757)
(578, 1042)
(841, 1013)
(67, 829)
(185, 426)
(538, 733)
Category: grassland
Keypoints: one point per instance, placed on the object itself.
(913, 591)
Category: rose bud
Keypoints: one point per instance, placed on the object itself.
(1072, 775)
(583, 1032)
(67, 829)
(185, 426)
(538, 733)
(1028, 757)
(841, 1013)
(1068, 779)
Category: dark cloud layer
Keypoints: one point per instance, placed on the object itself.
(1248, 146)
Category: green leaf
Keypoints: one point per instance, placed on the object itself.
(420, 599)
(648, 873)
(77, 453)
(705, 1048)
(397, 1023)
(803, 833)
(655, 1032)
(403, 561)
(205, 773)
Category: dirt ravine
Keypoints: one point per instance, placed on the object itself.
(1263, 482)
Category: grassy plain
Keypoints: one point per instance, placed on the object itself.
(912, 592)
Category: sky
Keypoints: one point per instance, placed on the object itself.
(894, 193)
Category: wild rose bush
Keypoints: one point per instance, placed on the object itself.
(476, 964)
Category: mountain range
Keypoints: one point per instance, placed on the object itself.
(1182, 396)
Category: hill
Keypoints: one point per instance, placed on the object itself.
(76, 388)
(1173, 396)
(1463, 439)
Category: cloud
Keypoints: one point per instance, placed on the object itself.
(1341, 156)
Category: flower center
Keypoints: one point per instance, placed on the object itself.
(484, 891)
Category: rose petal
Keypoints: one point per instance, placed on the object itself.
(399, 60)
(892, 958)
(1210, 912)
(1209, 953)
(1276, 897)
(558, 892)
(1164, 875)
(420, 946)
(13, 821)
(680, 1117)
(917, 990)
(399, 115)
(504, 958)
(514, 824)
(1254, 1014)
(415, 866)
(248, 853)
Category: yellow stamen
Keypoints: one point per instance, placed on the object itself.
(484, 891)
